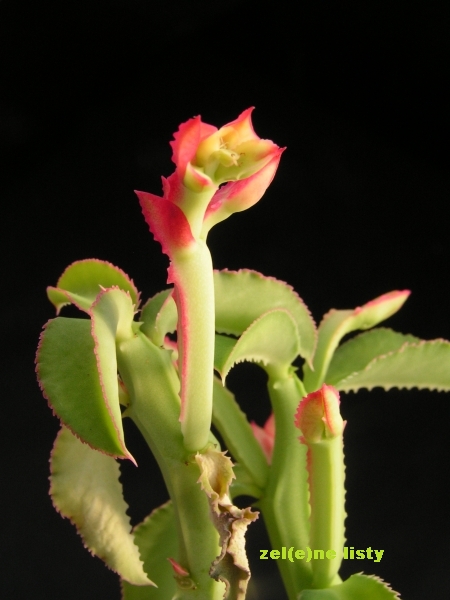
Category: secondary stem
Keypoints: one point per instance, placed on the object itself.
(327, 477)
(285, 502)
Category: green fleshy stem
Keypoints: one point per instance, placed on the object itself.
(151, 383)
(238, 436)
(285, 505)
(192, 275)
(326, 479)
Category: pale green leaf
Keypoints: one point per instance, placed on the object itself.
(270, 340)
(355, 354)
(356, 587)
(243, 296)
(156, 538)
(85, 488)
(112, 318)
(223, 347)
(244, 485)
(425, 365)
(159, 317)
(69, 378)
(82, 281)
(337, 323)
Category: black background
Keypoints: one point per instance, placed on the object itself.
(90, 94)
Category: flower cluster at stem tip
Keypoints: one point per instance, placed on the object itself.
(218, 172)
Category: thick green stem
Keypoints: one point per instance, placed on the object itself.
(152, 386)
(192, 275)
(319, 419)
(327, 508)
(285, 502)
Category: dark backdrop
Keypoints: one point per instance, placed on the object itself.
(90, 94)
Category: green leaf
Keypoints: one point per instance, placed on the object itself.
(243, 296)
(156, 538)
(338, 323)
(85, 488)
(112, 318)
(425, 365)
(237, 433)
(69, 378)
(271, 340)
(159, 317)
(223, 347)
(243, 485)
(357, 353)
(357, 587)
(82, 281)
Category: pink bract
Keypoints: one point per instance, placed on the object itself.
(318, 416)
(265, 436)
(207, 157)
(194, 139)
(186, 141)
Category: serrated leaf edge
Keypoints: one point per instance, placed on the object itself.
(384, 356)
(109, 264)
(44, 394)
(72, 521)
(383, 583)
(259, 275)
(255, 360)
(120, 434)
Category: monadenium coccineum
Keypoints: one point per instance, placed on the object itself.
(123, 362)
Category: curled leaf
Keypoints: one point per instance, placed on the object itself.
(68, 374)
(111, 322)
(84, 279)
(231, 566)
(159, 317)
